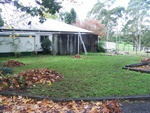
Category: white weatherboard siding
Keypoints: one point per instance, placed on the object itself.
(21, 44)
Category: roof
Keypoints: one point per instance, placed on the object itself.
(49, 25)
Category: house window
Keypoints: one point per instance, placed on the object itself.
(42, 37)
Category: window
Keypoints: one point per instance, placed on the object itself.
(42, 37)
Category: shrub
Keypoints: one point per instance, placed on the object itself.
(101, 47)
(17, 54)
(5, 71)
(46, 46)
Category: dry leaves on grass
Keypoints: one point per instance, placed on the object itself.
(145, 67)
(145, 60)
(77, 56)
(26, 105)
(30, 77)
(13, 63)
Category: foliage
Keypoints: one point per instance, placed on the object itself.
(5, 71)
(1, 21)
(146, 38)
(101, 47)
(43, 6)
(106, 15)
(13, 63)
(137, 22)
(29, 78)
(46, 45)
(15, 43)
(69, 17)
(91, 25)
(11, 105)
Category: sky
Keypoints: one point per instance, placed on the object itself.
(86, 5)
(82, 7)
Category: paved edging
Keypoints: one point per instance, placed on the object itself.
(38, 97)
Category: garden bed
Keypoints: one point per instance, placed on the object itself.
(143, 66)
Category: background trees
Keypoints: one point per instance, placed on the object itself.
(1, 21)
(137, 14)
(132, 23)
(103, 12)
(41, 7)
(91, 25)
(69, 17)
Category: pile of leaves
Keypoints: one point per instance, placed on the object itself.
(13, 63)
(145, 60)
(28, 78)
(145, 67)
(25, 105)
(77, 56)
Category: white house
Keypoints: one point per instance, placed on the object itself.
(26, 36)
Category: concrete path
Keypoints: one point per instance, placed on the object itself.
(135, 106)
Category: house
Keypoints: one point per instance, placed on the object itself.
(26, 37)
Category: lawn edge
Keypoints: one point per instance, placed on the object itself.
(119, 98)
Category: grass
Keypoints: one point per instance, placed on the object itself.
(94, 75)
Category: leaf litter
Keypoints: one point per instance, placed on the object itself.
(18, 104)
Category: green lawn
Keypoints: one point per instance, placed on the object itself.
(94, 75)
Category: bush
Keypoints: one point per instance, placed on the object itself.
(5, 71)
(46, 46)
(17, 54)
(101, 48)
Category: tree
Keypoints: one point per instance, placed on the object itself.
(43, 6)
(1, 21)
(137, 14)
(92, 25)
(146, 38)
(69, 17)
(106, 15)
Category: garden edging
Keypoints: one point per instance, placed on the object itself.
(120, 98)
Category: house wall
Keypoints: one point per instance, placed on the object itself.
(18, 44)
(90, 42)
(64, 44)
(37, 45)
(67, 44)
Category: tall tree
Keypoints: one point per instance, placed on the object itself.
(107, 15)
(92, 25)
(69, 17)
(137, 14)
(43, 6)
(1, 21)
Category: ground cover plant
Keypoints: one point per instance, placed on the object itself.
(94, 75)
